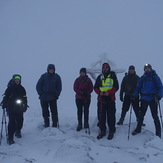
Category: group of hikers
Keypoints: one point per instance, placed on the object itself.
(140, 92)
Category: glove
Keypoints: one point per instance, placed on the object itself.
(102, 93)
(121, 98)
(133, 98)
(56, 97)
(3, 105)
(158, 97)
(25, 107)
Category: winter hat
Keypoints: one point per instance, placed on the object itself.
(50, 66)
(104, 70)
(83, 69)
(131, 67)
(16, 76)
(147, 66)
(106, 65)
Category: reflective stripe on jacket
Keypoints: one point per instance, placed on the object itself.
(107, 83)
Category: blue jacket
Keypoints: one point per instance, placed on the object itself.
(149, 86)
(49, 87)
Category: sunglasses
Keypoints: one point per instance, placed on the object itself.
(105, 67)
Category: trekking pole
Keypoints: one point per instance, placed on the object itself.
(160, 113)
(3, 121)
(1, 130)
(58, 124)
(99, 119)
(5, 125)
(129, 122)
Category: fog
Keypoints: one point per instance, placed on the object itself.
(72, 34)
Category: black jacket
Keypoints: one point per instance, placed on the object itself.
(129, 84)
(13, 93)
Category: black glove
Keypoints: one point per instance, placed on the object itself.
(25, 106)
(56, 97)
(121, 98)
(133, 98)
(158, 97)
(3, 105)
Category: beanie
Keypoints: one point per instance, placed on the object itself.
(16, 76)
(131, 67)
(105, 65)
(83, 70)
(147, 66)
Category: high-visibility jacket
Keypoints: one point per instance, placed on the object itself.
(107, 83)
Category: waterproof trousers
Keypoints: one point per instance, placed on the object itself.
(106, 111)
(46, 114)
(15, 123)
(83, 106)
(154, 111)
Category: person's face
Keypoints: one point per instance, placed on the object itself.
(147, 69)
(82, 74)
(51, 71)
(17, 81)
(131, 71)
(105, 69)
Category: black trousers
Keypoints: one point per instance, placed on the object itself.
(126, 106)
(154, 111)
(15, 123)
(106, 111)
(83, 105)
(53, 108)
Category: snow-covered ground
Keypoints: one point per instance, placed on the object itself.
(65, 144)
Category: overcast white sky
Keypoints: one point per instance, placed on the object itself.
(73, 33)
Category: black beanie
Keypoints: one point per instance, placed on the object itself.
(83, 70)
(131, 67)
(147, 65)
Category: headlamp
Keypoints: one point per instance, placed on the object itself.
(18, 101)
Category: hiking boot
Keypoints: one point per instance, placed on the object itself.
(158, 134)
(101, 135)
(135, 132)
(46, 121)
(143, 124)
(120, 122)
(46, 125)
(54, 125)
(78, 128)
(18, 134)
(110, 136)
(10, 141)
